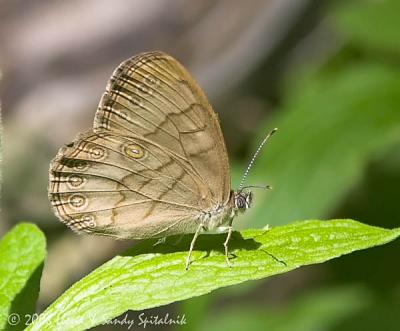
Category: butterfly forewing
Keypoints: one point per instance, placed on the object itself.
(153, 96)
(154, 161)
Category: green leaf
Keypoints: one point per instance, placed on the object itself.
(329, 129)
(149, 276)
(370, 24)
(22, 253)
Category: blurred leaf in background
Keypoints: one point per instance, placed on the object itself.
(337, 153)
(331, 126)
(335, 120)
(371, 25)
(318, 310)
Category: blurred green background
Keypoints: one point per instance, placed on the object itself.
(326, 73)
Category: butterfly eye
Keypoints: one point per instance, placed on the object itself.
(240, 202)
(249, 199)
(133, 150)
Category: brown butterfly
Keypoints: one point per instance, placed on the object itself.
(155, 163)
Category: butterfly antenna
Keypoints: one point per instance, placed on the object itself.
(264, 187)
(254, 158)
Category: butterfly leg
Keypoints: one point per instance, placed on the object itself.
(228, 237)
(160, 241)
(192, 245)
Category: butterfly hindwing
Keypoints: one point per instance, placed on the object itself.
(116, 185)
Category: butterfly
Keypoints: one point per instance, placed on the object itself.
(154, 164)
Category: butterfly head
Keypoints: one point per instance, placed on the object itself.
(242, 199)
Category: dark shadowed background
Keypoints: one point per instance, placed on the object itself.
(326, 73)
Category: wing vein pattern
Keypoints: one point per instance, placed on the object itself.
(154, 161)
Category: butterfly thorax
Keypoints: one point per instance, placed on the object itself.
(220, 217)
